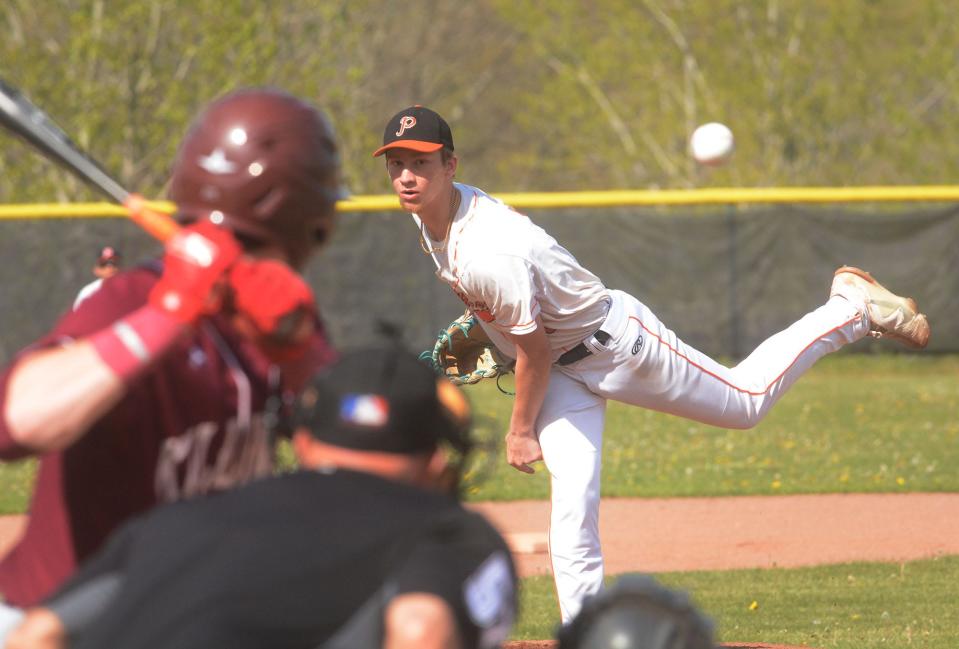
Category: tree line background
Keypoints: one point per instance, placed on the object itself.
(570, 95)
(542, 96)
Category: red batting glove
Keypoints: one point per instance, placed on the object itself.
(277, 303)
(194, 267)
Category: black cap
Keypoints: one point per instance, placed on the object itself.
(417, 128)
(637, 612)
(383, 399)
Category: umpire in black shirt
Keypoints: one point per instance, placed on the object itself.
(366, 546)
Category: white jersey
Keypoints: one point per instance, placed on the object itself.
(87, 291)
(508, 271)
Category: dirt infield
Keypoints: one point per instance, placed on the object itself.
(659, 535)
(677, 534)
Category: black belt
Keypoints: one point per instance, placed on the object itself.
(581, 351)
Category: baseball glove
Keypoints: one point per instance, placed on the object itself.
(464, 354)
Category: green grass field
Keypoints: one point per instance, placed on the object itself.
(855, 423)
(16, 479)
(848, 606)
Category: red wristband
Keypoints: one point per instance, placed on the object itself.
(130, 344)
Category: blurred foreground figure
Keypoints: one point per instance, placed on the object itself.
(155, 388)
(366, 546)
(638, 613)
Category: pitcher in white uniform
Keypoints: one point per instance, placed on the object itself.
(578, 344)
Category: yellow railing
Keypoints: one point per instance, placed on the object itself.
(615, 198)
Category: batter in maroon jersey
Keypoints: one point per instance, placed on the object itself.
(366, 546)
(155, 388)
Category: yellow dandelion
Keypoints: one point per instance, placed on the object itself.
(900, 481)
(754, 606)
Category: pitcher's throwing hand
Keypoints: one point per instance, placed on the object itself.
(521, 451)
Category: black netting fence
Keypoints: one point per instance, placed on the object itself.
(723, 278)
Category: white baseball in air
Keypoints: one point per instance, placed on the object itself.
(711, 144)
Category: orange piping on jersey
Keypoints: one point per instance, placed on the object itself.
(469, 217)
(720, 379)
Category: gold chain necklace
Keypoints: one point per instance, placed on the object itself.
(454, 204)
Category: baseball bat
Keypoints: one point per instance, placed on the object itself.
(20, 116)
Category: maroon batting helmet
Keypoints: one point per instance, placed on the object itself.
(264, 164)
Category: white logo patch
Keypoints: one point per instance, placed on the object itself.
(406, 122)
(217, 163)
(196, 248)
(488, 594)
(365, 410)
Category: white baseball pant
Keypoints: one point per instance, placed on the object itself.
(644, 364)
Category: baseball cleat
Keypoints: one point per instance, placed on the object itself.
(890, 315)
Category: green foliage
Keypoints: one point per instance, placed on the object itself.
(16, 485)
(816, 92)
(587, 94)
(848, 606)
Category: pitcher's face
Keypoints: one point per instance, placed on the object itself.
(420, 179)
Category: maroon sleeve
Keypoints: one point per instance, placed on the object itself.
(116, 297)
